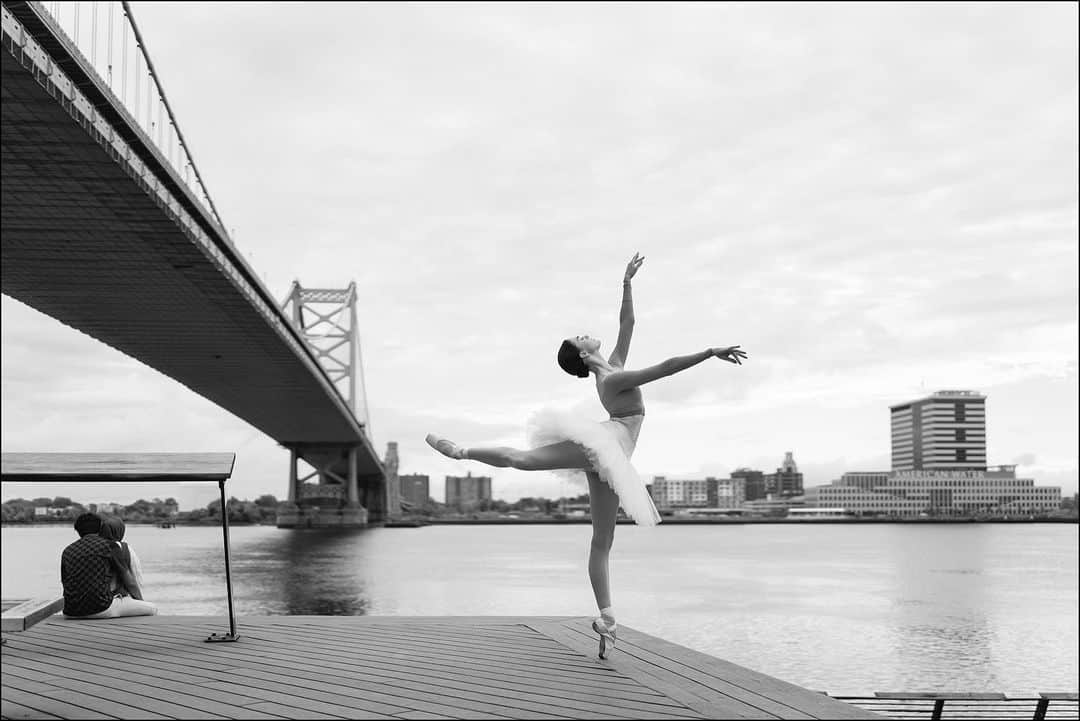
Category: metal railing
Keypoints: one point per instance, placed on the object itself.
(107, 37)
(935, 706)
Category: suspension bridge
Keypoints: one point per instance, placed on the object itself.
(109, 228)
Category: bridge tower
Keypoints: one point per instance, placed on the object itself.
(324, 486)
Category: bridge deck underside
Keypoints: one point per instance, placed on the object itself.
(83, 242)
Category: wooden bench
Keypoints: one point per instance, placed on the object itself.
(21, 615)
(112, 468)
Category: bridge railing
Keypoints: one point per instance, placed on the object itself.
(107, 37)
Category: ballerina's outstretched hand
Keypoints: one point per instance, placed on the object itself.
(731, 354)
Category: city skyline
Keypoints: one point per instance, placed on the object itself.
(869, 232)
(567, 489)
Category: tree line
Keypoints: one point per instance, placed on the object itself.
(262, 510)
(20, 510)
(528, 504)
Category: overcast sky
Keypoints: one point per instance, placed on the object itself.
(876, 202)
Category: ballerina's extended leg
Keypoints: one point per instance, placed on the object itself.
(565, 454)
(603, 500)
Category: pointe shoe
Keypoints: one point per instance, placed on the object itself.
(607, 635)
(445, 447)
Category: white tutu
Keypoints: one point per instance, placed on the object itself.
(608, 445)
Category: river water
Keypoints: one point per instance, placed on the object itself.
(966, 607)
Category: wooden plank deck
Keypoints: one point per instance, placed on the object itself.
(307, 667)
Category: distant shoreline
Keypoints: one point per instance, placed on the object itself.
(581, 520)
(733, 522)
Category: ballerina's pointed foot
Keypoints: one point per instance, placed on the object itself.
(607, 636)
(445, 447)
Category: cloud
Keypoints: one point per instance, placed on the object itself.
(875, 202)
(1025, 459)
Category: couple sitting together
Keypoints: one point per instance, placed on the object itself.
(101, 573)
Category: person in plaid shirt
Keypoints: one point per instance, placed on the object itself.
(88, 568)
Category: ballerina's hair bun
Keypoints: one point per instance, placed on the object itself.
(570, 360)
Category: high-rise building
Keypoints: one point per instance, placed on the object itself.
(393, 494)
(787, 481)
(464, 492)
(415, 489)
(944, 431)
(753, 483)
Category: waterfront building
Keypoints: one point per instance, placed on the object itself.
(866, 480)
(730, 493)
(668, 493)
(464, 492)
(710, 512)
(938, 468)
(787, 481)
(673, 493)
(944, 431)
(576, 509)
(773, 505)
(53, 511)
(993, 491)
(415, 489)
(753, 482)
(817, 513)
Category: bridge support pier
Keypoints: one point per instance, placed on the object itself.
(346, 486)
(331, 493)
(292, 476)
(352, 489)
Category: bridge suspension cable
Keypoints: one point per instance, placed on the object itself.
(157, 120)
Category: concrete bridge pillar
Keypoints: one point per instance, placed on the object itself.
(292, 496)
(353, 483)
(330, 489)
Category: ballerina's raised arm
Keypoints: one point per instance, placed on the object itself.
(626, 314)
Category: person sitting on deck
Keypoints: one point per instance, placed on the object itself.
(112, 529)
(88, 568)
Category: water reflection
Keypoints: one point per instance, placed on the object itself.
(939, 618)
(300, 572)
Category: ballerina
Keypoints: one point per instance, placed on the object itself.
(561, 440)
